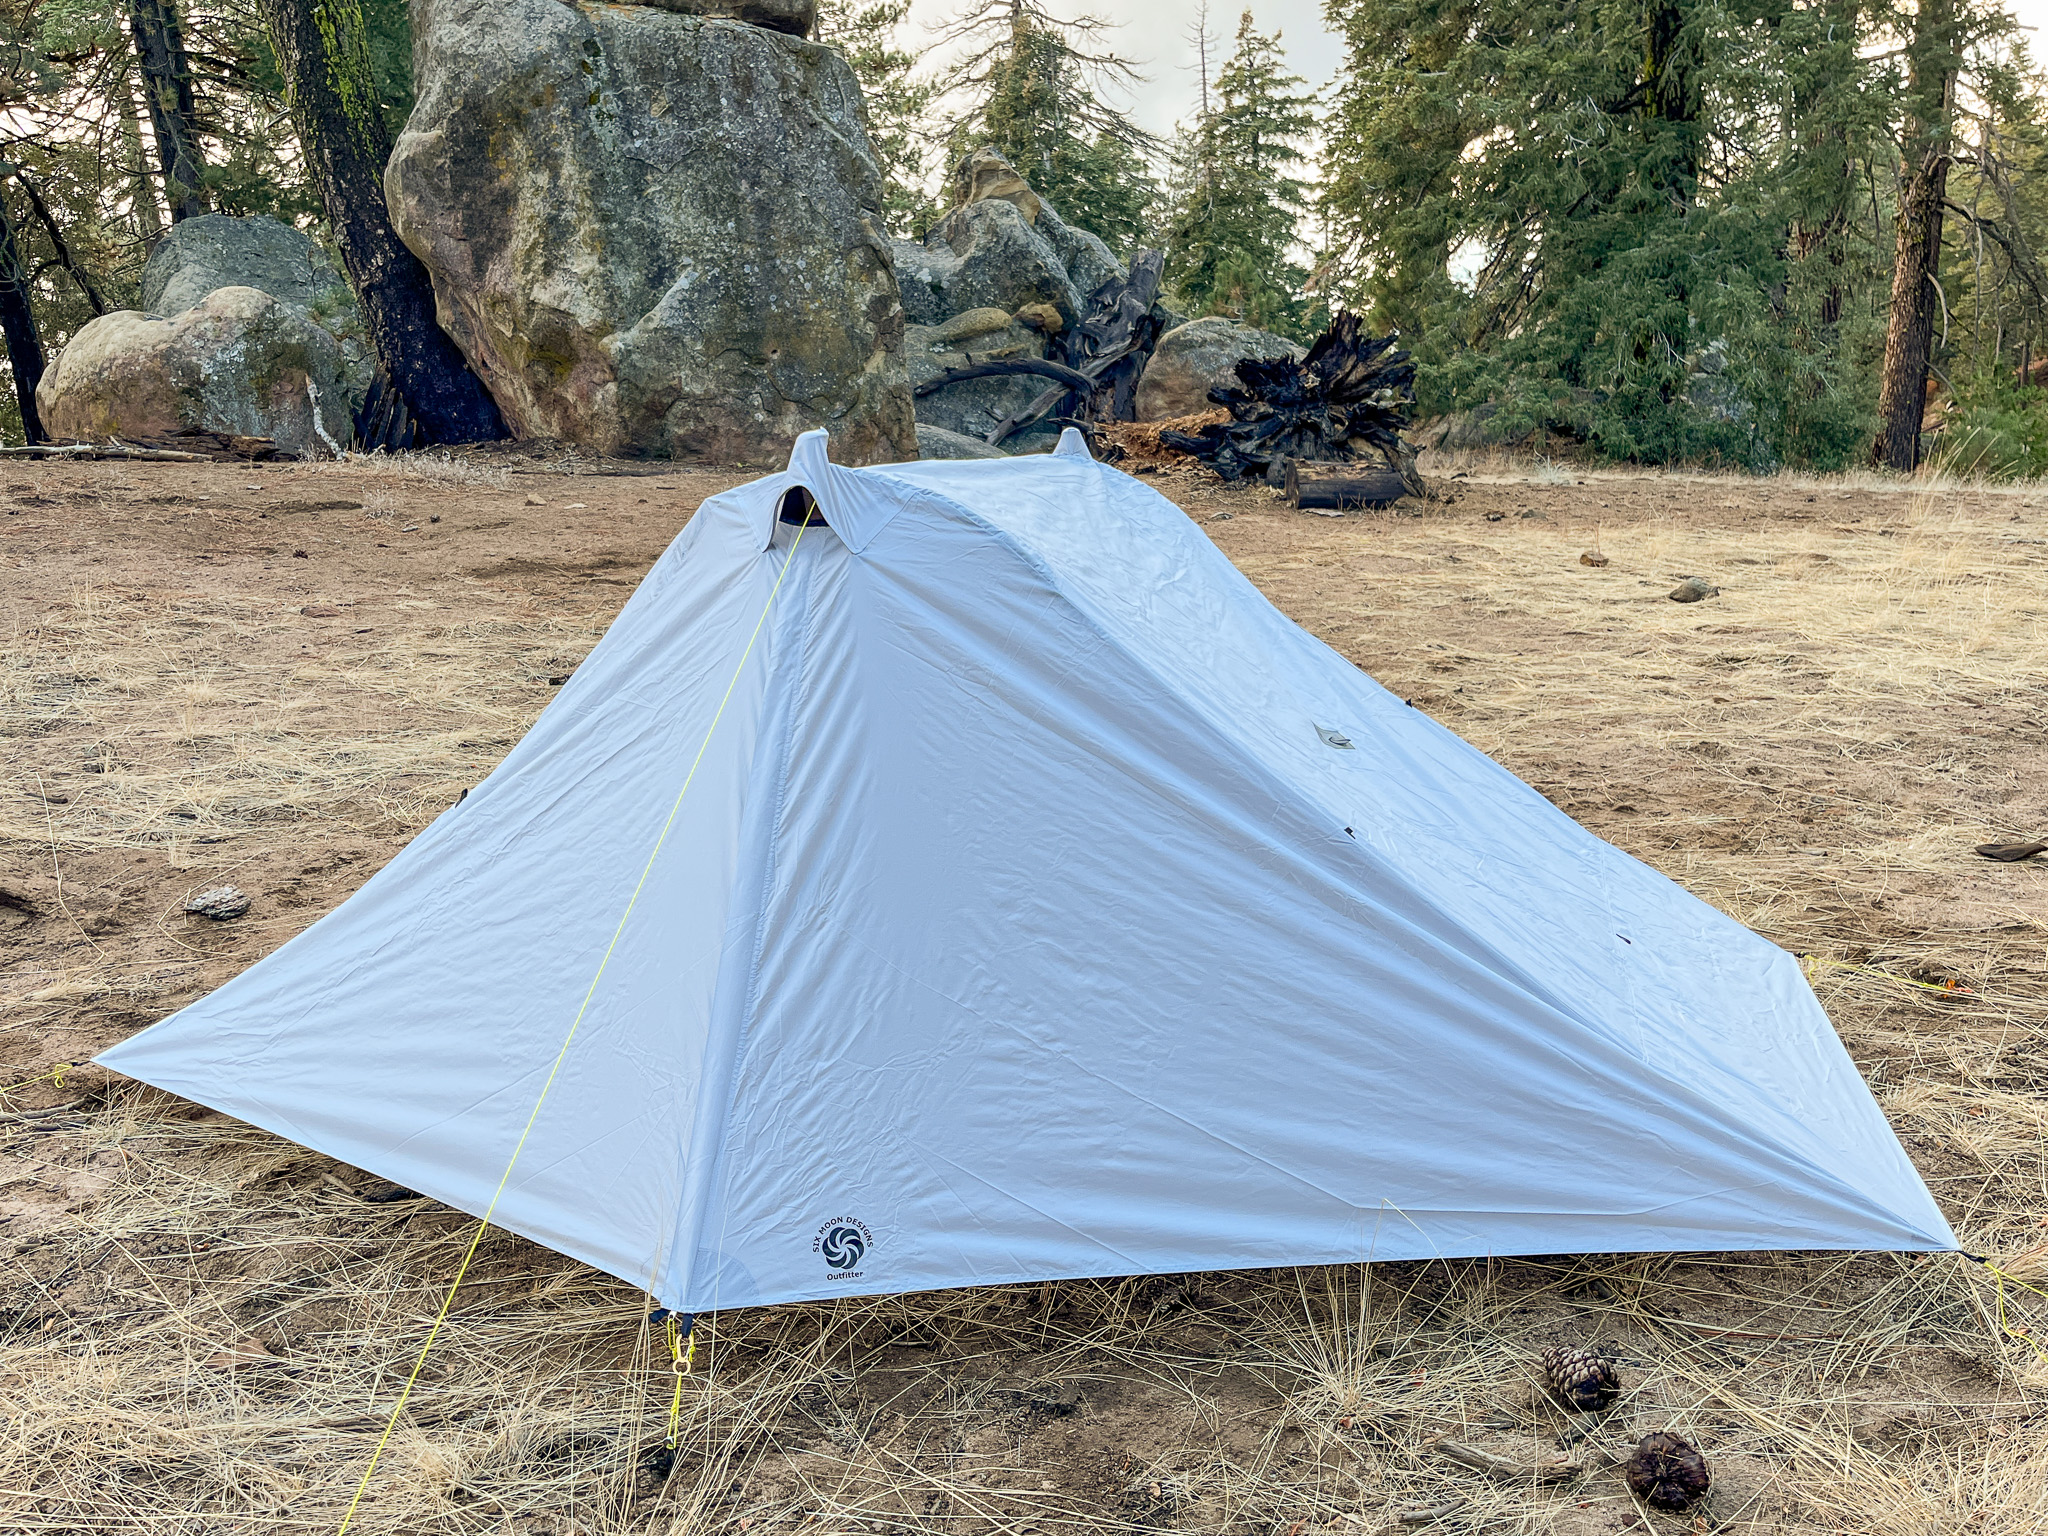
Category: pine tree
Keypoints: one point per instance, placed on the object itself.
(1236, 219)
(1027, 83)
(1934, 60)
(166, 70)
(895, 101)
(1633, 223)
(323, 50)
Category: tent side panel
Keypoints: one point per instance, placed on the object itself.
(411, 1031)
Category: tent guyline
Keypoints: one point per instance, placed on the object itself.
(684, 1328)
(1044, 905)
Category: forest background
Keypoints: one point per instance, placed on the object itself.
(1755, 233)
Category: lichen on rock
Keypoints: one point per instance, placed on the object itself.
(200, 256)
(238, 362)
(654, 233)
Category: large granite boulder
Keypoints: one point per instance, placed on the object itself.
(215, 250)
(239, 361)
(199, 256)
(1194, 358)
(1001, 247)
(654, 233)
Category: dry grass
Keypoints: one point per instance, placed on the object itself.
(1852, 670)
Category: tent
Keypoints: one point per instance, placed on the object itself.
(1043, 904)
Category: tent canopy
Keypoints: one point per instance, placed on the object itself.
(1044, 904)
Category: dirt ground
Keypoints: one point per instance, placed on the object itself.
(272, 676)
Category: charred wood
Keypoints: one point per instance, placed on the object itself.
(1347, 399)
(1362, 489)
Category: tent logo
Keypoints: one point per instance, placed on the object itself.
(842, 1242)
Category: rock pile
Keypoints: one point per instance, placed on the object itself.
(1001, 277)
(1004, 277)
(240, 315)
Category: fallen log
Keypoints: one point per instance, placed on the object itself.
(1364, 489)
(1348, 398)
(112, 450)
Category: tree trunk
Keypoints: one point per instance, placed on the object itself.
(326, 62)
(1916, 265)
(18, 326)
(173, 112)
(1916, 301)
(149, 221)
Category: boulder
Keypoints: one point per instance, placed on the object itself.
(654, 233)
(1195, 358)
(984, 256)
(962, 329)
(238, 362)
(214, 251)
(218, 251)
(938, 443)
(796, 17)
(985, 173)
(1001, 248)
(979, 336)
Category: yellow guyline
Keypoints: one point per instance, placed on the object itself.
(2004, 1325)
(484, 1225)
(56, 1073)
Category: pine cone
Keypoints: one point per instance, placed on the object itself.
(1667, 1471)
(1585, 1381)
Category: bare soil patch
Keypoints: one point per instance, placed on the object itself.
(272, 676)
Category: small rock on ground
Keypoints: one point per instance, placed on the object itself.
(221, 903)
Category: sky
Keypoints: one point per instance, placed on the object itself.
(1153, 31)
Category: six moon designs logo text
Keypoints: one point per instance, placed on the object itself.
(842, 1243)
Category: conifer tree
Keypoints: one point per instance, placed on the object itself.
(323, 50)
(166, 69)
(896, 102)
(1625, 222)
(1239, 196)
(1926, 152)
(1028, 83)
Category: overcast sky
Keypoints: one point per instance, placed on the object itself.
(1152, 31)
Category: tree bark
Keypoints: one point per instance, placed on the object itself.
(1916, 263)
(173, 111)
(1916, 301)
(322, 50)
(18, 326)
(149, 222)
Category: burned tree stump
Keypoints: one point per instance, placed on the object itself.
(1348, 398)
(385, 421)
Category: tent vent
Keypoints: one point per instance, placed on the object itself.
(1334, 738)
(799, 506)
